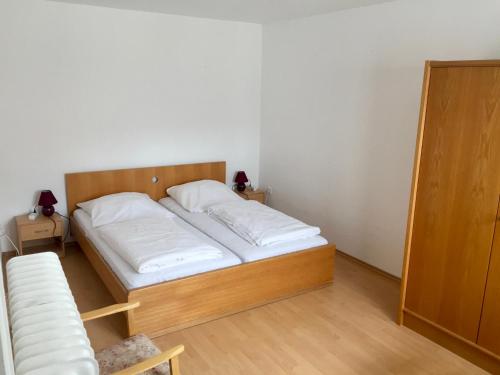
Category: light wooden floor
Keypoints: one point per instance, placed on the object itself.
(346, 328)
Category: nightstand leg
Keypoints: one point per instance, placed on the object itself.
(20, 246)
(62, 248)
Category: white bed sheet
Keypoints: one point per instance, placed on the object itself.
(246, 251)
(131, 279)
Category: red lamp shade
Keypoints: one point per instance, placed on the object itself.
(240, 180)
(241, 177)
(47, 201)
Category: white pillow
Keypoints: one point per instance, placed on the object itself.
(115, 208)
(198, 196)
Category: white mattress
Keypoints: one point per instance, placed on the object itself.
(246, 251)
(131, 279)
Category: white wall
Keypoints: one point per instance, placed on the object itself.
(341, 97)
(89, 88)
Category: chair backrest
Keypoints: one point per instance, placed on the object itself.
(6, 358)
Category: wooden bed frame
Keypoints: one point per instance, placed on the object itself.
(180, 303)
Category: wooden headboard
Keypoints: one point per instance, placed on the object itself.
(81, 187)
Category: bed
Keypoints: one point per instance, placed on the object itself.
(181, 299)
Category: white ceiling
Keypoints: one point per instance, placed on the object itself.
(257, 11)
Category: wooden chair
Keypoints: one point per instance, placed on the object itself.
(135, 355)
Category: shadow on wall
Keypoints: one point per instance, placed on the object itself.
(388, 142)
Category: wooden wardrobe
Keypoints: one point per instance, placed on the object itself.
(451, 273)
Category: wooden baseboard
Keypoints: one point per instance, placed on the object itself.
(368, 266)
(465, 349)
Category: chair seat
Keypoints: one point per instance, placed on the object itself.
(128, 353)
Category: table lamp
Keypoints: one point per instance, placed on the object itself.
(47, 201)
(240, 180)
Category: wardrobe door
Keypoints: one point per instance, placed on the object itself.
(456, 198)
(489, 333)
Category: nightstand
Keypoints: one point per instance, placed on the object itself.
(41, 228)
(255, 195)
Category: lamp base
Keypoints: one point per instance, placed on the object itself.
(241, 187)
(48, 210)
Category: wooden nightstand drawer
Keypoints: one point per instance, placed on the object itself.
(260, 197)
(39, 231)
(255, 195)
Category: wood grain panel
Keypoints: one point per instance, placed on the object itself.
(210, 295)
(83, 186)
(456, 200)
(489, 332)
